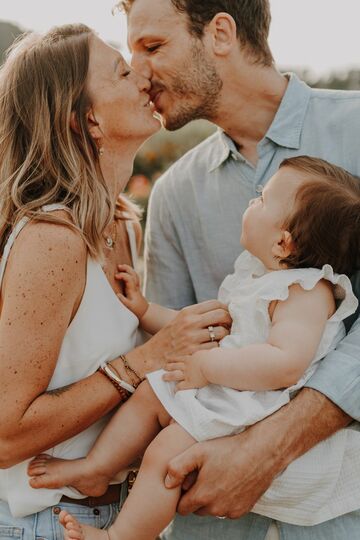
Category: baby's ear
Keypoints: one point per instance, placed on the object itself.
(284, 246)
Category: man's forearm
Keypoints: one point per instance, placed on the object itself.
(308, 419)
(234, 472)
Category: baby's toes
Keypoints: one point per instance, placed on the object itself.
(72, 528)
(37, 471)
(73, 534)
(41, 458)
(38, 479)
(37, 461)
(34, 469)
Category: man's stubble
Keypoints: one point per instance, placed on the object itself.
(197, 88)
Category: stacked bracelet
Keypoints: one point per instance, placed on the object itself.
(124, 389)
(131, 372)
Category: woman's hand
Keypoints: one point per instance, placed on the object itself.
(187, 333)
(188, 372)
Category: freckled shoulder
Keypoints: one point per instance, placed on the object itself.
(55, 240)
(46, 253)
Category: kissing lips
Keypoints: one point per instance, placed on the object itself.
(154, 96)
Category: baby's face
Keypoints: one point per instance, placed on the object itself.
(263, 221)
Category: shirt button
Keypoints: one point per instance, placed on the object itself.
(96, 512)
(259, 188)
(56, 510)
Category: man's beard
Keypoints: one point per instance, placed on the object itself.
(198, 87)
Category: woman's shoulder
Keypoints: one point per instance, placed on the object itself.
(50, 238)
(44, 248)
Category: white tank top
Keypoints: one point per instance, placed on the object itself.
(102, 329)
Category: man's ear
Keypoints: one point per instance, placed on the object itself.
(222, 30)
(284, 246)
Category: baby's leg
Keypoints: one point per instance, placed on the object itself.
(125, 438)
(150, 506)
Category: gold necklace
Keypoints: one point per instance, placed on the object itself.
(110, 241)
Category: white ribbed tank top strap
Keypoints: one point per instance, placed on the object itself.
(16, 231)
(53, 207)
(132, 240)
(10, 241)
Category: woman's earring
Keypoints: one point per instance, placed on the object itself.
(101, 151)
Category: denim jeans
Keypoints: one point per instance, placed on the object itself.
(45, 525)
(255, 527)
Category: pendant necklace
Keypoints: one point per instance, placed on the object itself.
(110, 240)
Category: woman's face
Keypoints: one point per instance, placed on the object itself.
(119, 97)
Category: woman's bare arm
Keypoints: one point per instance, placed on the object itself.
(43, 285)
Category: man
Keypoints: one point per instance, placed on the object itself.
(212, 60)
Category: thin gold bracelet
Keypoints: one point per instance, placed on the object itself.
(130, 371)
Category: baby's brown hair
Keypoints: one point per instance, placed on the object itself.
(325, 226)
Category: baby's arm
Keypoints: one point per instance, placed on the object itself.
(152, 317)
(297, 327)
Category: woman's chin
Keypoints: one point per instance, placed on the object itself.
(154, 127)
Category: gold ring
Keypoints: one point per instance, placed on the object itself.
(211, 333)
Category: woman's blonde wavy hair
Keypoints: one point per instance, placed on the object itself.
(42, 160)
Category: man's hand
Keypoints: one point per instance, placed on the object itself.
(233, 472)
(230, 476)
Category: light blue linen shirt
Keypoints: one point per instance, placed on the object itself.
(194, 227)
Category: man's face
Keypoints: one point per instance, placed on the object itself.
(184, 82)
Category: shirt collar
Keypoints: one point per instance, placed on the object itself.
(285, 129)
(221, 151)
(288, 122)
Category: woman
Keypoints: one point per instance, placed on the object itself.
(73, 115)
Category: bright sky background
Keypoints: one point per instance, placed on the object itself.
(319, 34)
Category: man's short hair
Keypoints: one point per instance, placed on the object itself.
(252, 18)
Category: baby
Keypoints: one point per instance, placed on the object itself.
(288, 298)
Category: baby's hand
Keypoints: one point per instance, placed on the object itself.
(132, 297)
(187, 372)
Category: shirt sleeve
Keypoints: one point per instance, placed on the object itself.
(338, 375)
(167, 279)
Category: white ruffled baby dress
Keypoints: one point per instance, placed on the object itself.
(304, 493)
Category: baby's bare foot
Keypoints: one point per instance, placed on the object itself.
(73, 530)
(49, 472)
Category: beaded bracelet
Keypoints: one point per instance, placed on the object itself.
(125, 390)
